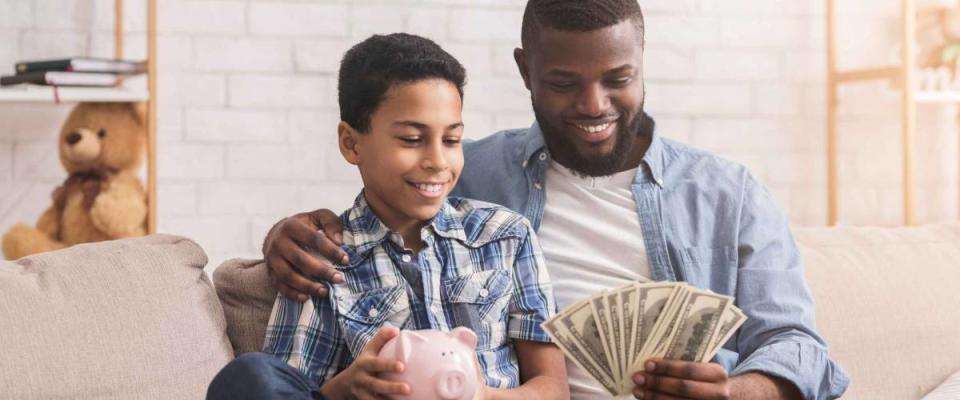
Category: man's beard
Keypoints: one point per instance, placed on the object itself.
(563, 148)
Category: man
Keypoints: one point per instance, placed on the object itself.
(612, 202)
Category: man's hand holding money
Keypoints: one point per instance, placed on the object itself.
(664, 379)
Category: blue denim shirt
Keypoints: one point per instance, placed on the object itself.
(705, 221)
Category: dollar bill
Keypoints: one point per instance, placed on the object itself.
(695, 325)
(650, 301)
(665, 325)
(613, 334)
(569, 345)
(602, 320)
(730, 321)
(625, 303)
(585, 328)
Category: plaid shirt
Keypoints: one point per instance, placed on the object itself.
(481, 267)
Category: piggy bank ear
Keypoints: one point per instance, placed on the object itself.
(406, 342)
(465, 336)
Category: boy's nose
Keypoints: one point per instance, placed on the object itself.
(434, 159)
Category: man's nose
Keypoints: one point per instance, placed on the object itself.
(593, 101)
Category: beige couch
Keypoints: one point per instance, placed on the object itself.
(139, 319)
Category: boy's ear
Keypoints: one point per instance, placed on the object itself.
(347, 139)
(520, 57)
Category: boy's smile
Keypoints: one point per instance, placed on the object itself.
(411, 156)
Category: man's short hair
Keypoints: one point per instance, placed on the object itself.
(576, 16)
(370, 68)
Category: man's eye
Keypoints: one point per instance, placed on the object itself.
(563, 86)
(620, 82)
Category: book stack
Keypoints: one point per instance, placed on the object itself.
(90, 72)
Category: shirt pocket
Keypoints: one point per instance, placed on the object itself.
(707, 256)
(480, 301)
(709, 267)
(362, 314)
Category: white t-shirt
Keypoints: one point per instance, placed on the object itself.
(592, 241)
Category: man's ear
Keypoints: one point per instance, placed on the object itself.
(520, 57)
(347, 139)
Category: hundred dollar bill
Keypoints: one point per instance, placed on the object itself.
(568, 344)
(625, 302)
(730, 321)
(613, 334)
(665, 327)
(695, 325)
(648, 304)
(602, 320)
(580, 321)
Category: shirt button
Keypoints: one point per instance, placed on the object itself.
(374, 313)
(524, 164)
(543, 156)
(538, 186)
(405, 258)
(484, 292)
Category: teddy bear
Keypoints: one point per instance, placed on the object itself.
(101, 148)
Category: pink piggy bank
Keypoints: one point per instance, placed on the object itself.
(438, 365)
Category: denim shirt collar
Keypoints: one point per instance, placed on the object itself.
(653, 159)
(365, 231)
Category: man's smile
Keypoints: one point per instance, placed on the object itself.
(595, 131)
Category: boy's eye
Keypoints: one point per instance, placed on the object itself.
(411, 139)
(452, 140)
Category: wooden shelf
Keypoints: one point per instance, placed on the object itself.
(45, 94)
(937, 96)
(134, 91)
(905, 77)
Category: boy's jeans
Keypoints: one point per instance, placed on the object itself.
(261, 376)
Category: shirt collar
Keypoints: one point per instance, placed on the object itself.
(364, 231)
(534, 143)
(653, 159)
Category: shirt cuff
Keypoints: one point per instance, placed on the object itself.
(527, 328)
(808, 367)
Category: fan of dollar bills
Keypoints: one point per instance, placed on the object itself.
(611, 334)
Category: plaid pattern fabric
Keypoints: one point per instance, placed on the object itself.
(481, 267)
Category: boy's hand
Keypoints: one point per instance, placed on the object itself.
(360, 381)
(673, 379)
(289, 251)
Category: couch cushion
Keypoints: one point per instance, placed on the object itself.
(886, 303)
(247, 296)
(948, 390)
(127, 319)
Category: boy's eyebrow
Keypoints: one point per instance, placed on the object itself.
(423, 127)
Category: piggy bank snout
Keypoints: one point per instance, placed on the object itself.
(451, 384)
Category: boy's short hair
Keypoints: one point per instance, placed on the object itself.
(370, 68)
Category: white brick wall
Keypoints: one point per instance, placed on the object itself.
(248, 114)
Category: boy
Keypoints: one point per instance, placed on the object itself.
(417, 259)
